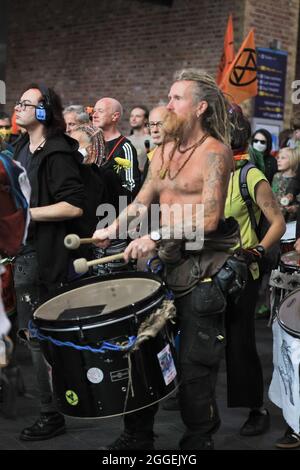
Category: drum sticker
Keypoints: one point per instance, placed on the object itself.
(119, 375)
(95, 375)
(167, 364)
(72, 398)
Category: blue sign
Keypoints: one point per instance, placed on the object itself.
(271, 75)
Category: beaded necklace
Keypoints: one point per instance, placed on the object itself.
(166, 171)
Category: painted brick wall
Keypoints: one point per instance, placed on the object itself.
(87, 49)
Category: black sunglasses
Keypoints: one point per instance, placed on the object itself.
(258, 140)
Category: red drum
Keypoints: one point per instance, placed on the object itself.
(106, 313)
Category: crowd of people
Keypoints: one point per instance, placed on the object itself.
(196, 150)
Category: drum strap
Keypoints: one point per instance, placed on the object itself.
(246, 195)
(156, 321)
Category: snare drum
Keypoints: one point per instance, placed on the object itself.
(111, 309)
(284, 389)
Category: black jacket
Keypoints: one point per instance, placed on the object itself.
(58, 180)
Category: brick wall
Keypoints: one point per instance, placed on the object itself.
(87, 49)
(125, 49)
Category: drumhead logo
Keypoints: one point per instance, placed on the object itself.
(72, 398)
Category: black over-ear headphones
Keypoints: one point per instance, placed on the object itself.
(43, 109)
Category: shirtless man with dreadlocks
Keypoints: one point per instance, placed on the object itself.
(192, 169)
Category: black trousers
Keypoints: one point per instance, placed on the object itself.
(29, 295)
(202, 345)
(244, 371)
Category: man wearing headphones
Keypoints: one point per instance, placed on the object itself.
(57, 197)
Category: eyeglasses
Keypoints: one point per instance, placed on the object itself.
(256, 141)
(158, 124)
(23, 105)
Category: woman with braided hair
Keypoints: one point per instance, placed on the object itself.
(91, 143)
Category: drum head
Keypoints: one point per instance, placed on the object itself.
(289, 313)
(113, 293)
(291, 260)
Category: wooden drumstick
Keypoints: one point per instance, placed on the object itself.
(73, 241)
(81, 265)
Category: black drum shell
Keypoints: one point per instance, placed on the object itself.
(107, 393)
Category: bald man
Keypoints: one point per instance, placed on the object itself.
(107, 114)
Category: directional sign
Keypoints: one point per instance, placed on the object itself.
(271, 75)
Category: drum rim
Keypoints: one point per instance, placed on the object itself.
(91, 326)
(119, 313)
(286, 328)
(288, 267)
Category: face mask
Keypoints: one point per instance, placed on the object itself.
(260, 147)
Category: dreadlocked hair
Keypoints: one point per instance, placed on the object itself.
(95, 137)
(215, 119)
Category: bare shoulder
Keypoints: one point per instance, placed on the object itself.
(217, 153)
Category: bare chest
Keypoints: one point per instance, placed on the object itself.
(181, 176)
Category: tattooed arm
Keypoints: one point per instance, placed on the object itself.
(216, 175)
(130, 216)
(266, 201)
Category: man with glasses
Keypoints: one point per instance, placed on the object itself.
(53, 167)
(156, 119)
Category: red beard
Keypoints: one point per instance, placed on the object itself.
(176, 127)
